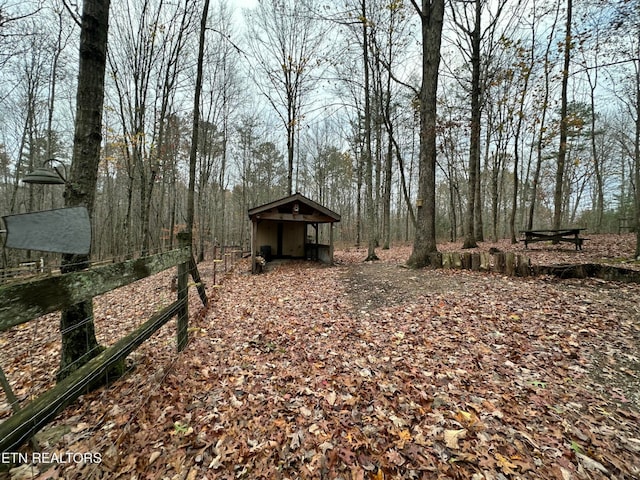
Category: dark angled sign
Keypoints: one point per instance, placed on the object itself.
(63, 230)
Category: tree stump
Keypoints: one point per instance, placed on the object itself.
(524, 266)
(499, 263)
(475, 262)
(510, 264)
(485, 261)
(466, 260)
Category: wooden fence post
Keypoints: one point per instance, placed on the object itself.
(15, 405)
(184, 240)
(13, 401)
(195, 274)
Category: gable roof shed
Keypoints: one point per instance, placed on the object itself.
(279, 229)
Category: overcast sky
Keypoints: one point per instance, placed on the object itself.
(243, 3)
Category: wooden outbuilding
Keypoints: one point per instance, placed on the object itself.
(280, 229)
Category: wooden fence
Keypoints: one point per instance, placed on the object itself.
(21, 303)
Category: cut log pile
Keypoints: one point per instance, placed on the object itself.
(519, 265)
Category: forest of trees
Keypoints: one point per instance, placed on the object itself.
(538, 116)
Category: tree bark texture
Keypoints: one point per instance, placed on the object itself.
(473, 201)
(193, 153)
(562, 152)
(424, 244)
(79, 342)
(367, 153)
(637, 154)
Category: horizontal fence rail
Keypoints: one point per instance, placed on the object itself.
(22, 425)
(21, 303)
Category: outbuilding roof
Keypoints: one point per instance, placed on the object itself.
(294, 208)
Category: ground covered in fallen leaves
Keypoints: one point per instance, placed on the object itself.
(374, 371)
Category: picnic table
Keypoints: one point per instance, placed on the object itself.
(571, 235)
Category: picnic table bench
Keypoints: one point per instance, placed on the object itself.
(571, 235)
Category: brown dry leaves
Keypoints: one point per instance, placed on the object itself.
(378, 372)
(599, 248)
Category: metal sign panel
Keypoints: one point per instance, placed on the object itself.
(63, 230)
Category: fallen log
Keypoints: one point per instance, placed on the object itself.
(589, 270)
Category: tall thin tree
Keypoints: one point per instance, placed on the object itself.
(285, 41)
(367, 155)
(558, 194)
(193, 153)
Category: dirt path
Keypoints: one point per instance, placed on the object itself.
(615, 361)
(377, 284)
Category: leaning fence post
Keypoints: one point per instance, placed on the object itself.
(13, 401)
(184, 240)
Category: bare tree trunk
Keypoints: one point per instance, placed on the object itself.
(637, 153)
(79, 342)
(128, 244)
(474, 148)
(223, 174)
(24, 144)
(387, 122)
(562, 152)
(596, 163)
(367, 153)
(284, 41)
(526, 71)
(478, 225)
(174, 206)
(424, 244)
(193, 154)
(386, 200)
(291, 128)
(542, 127)
(359, 201)
(453, 230)
(403, 181)
(53, 83)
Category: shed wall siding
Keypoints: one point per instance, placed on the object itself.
(293, 241)
(293, 236)
(268, 235)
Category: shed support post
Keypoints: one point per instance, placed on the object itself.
(331, 243)
(254, 245)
